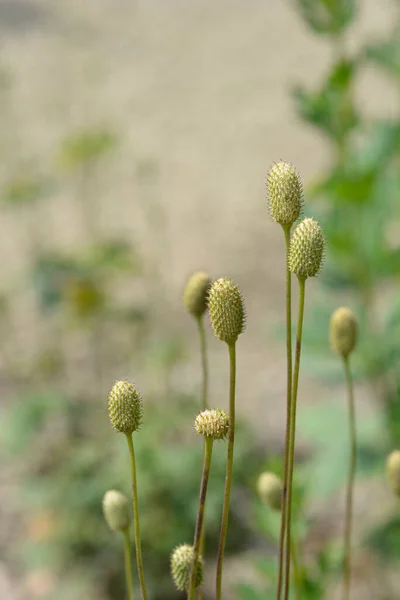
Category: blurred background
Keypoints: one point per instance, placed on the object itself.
(135, 141)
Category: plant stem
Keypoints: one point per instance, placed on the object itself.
(229, 464)
(138, 545)
(292, 436)
(296, 570)
(204, 368)
(198, 536)
(128, 564)
(286, 231)
(350, 481)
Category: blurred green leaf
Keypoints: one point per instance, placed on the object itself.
(25, 189)
(385, 539)
(86, 147)
(328, 16)
(385, 54)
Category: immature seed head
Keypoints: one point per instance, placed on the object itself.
(393, 471)
(227, 310)
(343, 331)
(125, 407)
(116, 510)
(307, 248)
(285, 193)
(269, 488)
(196, 293)
(212, 424)
(181, 565)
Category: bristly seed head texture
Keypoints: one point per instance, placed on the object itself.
(212, 424)
(269, 488)
(227, 310)
(393, 471)
(196, 293)
(343, 331)
(125, 407)
(307, 249)
(181, 566)
(285, 193)
(116, 510)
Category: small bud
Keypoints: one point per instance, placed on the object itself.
(213, 424)
(393, 471)
(227, 311)
(125, 407)
(181, 566)
(343, 331)
(196, 293)
(269, 488)
(116, 510)
(285, 193)
(307, 248)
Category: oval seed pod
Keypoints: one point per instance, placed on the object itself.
(307, 248)
(285, 193)
(213, 424)
(116, 510)
(227, 310)
(343, 331)
(196, 293)
(125, 407)
(393, 471)
(269, 488)
(181, 565)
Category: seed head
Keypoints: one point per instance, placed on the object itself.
(269, 488)
(343, 331)
(125, 407)
(227, 310)
(196, 293)
(181, 566)
(307, 248)
(393, 471)
(212, 423)
(116, 510)
(285, 193)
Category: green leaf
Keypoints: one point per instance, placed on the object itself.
(86, 147)
(385, 54)
(327, 17)
(385, 539)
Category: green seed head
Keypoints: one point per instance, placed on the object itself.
(181, 565)
(307, 249)
(393, 471)
(212, 424)
(227, 310)
(343, 331)
(116, 510)
(125, 407)
(269, 488)
(196, 293)
(285, 193)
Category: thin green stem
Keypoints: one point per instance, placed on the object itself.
(229, 465)
(204, 367)
(297, 576)
(128, 564)
(138, 544)
(350, 481)
(286, 231)
(198, 536)
(292, 436)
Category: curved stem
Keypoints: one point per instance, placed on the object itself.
(292, 436)
(128, 564)
(350, 481)
(138, 544)
(204, 367)
(198, 536)
(229, 464)
(286, 231)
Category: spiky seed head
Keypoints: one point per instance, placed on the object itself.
(269, 488)
(116, 510)
(343, 331)
(307, 249)
(196, 293)
(227, 310)
(212, 423)
(285, 193)
(125, 407)
(181, 565)
(393, 471)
